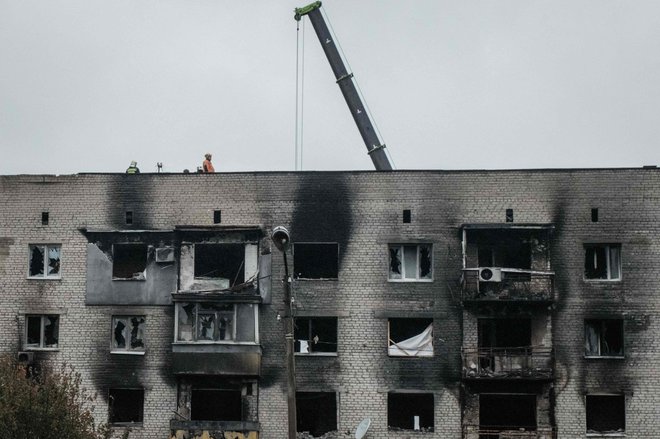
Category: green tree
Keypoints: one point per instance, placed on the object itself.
(45, 404)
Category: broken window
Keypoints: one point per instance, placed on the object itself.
(505, 333)
(44, 260)
(215, 404)
(128, 333)
(410, 337)
(42, 331)
(220, 261)
(410, 262)
(507, 411)
(216, 322)
(512, 249)
(316, 260)
(410, 411)
(315, 334)
(125, 406)
(602, 261)
(606, 413)
(603, 338)
(316, 412)
(129, 261)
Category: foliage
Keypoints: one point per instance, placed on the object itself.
(45, 403)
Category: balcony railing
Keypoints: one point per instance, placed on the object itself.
(219, 429)
(515, 285)
(528, 362)
(479, 432)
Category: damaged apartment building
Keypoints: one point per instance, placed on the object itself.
(436, 304)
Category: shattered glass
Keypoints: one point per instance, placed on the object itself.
(425, 262)
(53, 260)
(51, 331)
(37, 260)
(186, 323)
(137, 332)
(33, 331)
(395, 263)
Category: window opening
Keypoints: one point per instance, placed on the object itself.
(603, 337)
(410, 337)
(220, 261)
(594, 215)
(215, 322)
(316, 260)
(44, 218)
(209, 404)
(129, 261)
(602, 261)
(510, 249)
(410, 262)
(606, 414)
(509, 215)
(44, 260)
(410, 411)
(42, 331)
(128, 333)
(406, 216)
(126, 406)
(507, 412)
(505, 333)
(129, 217)
(316, 412)
(315, 334)
(217, 216)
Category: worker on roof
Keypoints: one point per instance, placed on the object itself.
(133, 169)
(207, 166)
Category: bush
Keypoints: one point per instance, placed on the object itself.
(45, 404)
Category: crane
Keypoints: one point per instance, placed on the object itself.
(375, 148)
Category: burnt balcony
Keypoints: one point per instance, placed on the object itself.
(194, 429)
(481, 432)
(530, 363)
(507, 285)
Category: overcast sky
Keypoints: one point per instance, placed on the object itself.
(89, 85)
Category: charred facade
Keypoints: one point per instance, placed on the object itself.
(472, 304)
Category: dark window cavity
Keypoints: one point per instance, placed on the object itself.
(315, 334)
(507, 412)
(129, 261)
(603, 337)
(129, 217)
(410, 337)
(606, 413)
(126, 406)
(316, 260)
(594, 215)
(44, 218)
(316, 412)
(42, 331)
(217, 216)
(509, 215)
(128, 333)
(215, 404)
(406, 216)
(509, 250)
(602, 261)
(410, 262)
(410, 411)
(220, 261)
(44, 261)
(505, 333)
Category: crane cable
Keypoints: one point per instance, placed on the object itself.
(300, 82)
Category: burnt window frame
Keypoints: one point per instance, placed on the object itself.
(393, 394)
(111, 421)
(195, 327)
(608, 261)
(199, 245)
(194, 395)
(403, 278)
(598, 433)
(599, 334)
(310, 329)
(146, 261)
(295, 270)
(127, 349)
(42, 332)
(529, 397)
(45, 250)
(390, 342)
(299, 406)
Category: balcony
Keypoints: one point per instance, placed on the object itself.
(507, 285)
(219, 429)
(479, 432)
(529, 363)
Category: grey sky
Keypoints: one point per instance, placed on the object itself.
(89, 85)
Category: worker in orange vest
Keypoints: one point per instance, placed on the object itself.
(207, 166)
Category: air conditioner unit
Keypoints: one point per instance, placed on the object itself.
(165, 254)
(490, 274)
(26, 358)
